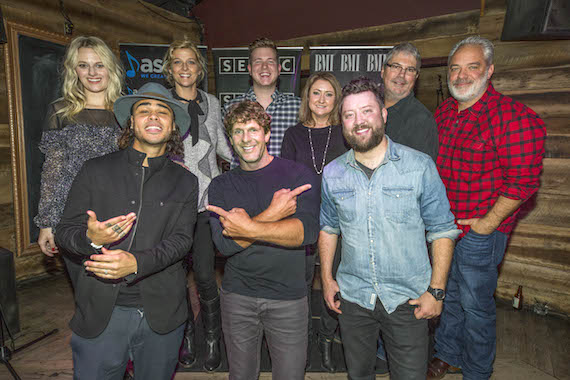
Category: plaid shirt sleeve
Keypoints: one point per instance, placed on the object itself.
(519, 139)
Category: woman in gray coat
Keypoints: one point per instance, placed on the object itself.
(184, 67)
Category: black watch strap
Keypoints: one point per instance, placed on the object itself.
(438, 294)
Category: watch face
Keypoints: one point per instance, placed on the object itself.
(439, 294)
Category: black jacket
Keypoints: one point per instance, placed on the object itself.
(160, 239)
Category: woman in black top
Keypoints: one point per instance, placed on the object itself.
(314, 142)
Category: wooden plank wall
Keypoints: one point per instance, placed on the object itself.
(536, 73)
(114, 22)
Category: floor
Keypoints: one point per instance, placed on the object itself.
(526, 341)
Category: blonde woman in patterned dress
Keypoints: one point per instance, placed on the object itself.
(78, 126)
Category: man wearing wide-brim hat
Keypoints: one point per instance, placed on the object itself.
(129, 219)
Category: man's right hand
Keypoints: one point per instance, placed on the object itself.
(109, 231)
(283, 204)
(47, 242)
(330, 290)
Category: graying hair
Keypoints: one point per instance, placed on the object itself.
(486, 45)
(408, 48)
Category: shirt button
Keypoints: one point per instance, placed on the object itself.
(161, 204)
(372, 240)
(397, 195)
(132, 202)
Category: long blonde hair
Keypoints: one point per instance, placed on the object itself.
(72, 90)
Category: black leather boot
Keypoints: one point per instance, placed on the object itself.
(213, 328)
(325, 348)
(187, 354)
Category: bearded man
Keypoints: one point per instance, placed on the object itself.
(383, 197)
(490, 159)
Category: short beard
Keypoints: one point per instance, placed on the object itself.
(361, 147)
(477, 88)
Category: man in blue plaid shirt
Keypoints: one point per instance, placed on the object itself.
(264, 69)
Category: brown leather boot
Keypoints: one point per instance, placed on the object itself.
(437, 369)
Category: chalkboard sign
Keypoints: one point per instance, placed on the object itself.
(33, 73)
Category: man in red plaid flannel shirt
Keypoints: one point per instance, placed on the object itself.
(490, 160)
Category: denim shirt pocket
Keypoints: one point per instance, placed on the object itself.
(346, 204)
(398, 203)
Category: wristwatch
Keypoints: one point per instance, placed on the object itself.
(438, 294)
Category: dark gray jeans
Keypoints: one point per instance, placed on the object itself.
(244, 322)
(405, 338)
(127, 336)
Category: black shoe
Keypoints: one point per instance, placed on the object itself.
(382, 367)
(187, 354)
(325, 348)
(213, 327)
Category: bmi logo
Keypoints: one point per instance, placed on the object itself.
(149, 68)
(238, 65)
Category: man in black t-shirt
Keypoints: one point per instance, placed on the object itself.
(263, 214)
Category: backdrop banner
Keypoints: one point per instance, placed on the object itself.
(349, 62)
(232, 76)
(143, 63)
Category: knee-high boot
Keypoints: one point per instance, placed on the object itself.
(211, 316)
(187, 354)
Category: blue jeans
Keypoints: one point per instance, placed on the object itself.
(284, 322)
(127, 336)
(466, 336)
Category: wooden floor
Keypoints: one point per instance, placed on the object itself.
(528, 346)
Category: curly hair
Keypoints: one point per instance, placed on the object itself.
(73, 91)
(305, 115)
(247, 111)
(174, 146)
(359, 85)
(183, 44)
(262, 42)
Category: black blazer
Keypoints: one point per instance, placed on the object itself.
(162, 236)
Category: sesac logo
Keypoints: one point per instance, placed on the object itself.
(238, 65)
(149, 68)
(227, 96)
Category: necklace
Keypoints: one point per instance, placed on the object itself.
(324, 153)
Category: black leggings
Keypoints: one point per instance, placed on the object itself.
(203, 258)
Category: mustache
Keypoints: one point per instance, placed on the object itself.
(360, 126)
(461, 81)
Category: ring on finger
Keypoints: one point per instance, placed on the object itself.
(106, 272)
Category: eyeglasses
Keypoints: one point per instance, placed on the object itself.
(398, 69)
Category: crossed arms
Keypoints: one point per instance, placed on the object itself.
(273, 225)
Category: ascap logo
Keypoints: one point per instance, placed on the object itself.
(238, 65)
(149, 68)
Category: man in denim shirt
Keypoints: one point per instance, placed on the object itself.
(383, 197)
